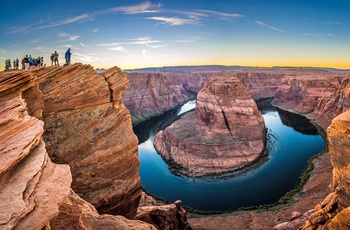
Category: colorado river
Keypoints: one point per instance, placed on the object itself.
(291, 142)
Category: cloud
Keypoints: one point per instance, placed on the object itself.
(83, 45)
(70, 37)
(224, 16)
(94, 30)
(268, 26)
(119, 48)
(174, 21)
(146, 7)
(133, 41)
(79, 18)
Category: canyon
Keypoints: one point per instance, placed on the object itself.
(225, 133)
(69, 156)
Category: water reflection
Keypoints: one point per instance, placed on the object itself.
(265, 182)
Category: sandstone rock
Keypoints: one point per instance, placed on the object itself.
(147, 200)
(318, 97)
(76, 213)
(166, 217)
(261, 84)
(150, 95)
(31, 186)
(333, 211)
(224, 134)
(88, 127)
(284, 226)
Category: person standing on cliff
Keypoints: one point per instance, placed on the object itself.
(68, 56)
(55, 58)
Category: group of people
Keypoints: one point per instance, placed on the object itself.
(28, 61)
(54, 58)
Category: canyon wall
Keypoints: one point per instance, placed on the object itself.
(88, 127)
(150, 95)
(31, 187)
(318, 97)
(225, 133)
(334, 211)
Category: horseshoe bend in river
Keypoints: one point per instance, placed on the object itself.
(291, 141)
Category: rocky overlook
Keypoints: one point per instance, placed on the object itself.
(150, 95)
(77, 117)
(225, 133)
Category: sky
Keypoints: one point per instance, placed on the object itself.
(136, 34)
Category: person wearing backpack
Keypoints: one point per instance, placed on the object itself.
(55, 58)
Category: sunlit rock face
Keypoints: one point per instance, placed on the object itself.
(31, 186)
(88, 127)
(150, 95)
(261, 84)
(225, 133)
(318, 97)
(334, 211)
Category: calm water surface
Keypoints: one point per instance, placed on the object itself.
(292, 140)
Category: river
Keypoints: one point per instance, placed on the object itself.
(291, 141)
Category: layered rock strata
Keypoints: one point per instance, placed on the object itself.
(334, 211)
(75, 213)
(31, 187)
(150, 95)
(88, 127)
(225, 133)
(318, 97)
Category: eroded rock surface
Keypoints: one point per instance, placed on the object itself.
(88, 127)
(225, 133)
(333, 212)
(31, 187)
(318, 97)
(76, 213)
(150, 95)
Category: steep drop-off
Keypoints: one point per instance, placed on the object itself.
(225, 133)
(318, 97)
(150, 95)
(88, 127)
(31, 186)
(334, 211)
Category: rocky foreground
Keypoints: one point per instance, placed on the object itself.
(75, 118)
(225, 133)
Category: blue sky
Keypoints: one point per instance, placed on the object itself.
(134, 34)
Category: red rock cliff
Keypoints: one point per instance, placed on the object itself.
(150, 95)
(88, 127)
(334, 211)
(31, 187)
(318, 97)
(224, 134)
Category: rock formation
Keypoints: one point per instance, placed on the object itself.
(318, 97)
(225, 133)
(151, 95)
(88, 127)
(31, 187)
(76, 213)
(261, 84)
(334, 211)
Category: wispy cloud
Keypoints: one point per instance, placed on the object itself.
(133, 41)
(83, 45)
(268, 26)
(119, 48)
(335, 23)
(318, 35)
(221, 15)
(70, 37)
(79, 18)
(146, 7)
(174, 21)
(94, 30)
